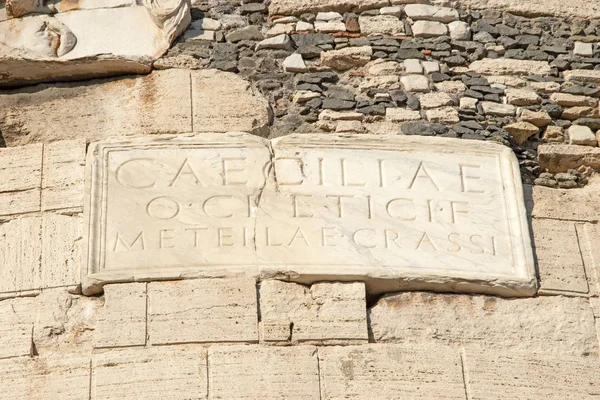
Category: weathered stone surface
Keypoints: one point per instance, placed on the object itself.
(59, 376)
(553, 325)
(297, 7)
(558, 256)
(522, 97)
(537, 118)
(430, 13)
(445, 115)
(156, 103)
(570, 100)
(572, 204)
(16, 328)
(325, 312)
(415, 83)
(20, 255)
(505, 66)
(20, 179)
(347, 58)
(582, 135)
(75, 44)
(563, 158)
(122, 320)
(427, 29)
(521, 131)
(150, 373)
(204, 310)
(263, 372)
(500, 376)
(62, 179)
(583, 75)
(500, 110)
(435, 100)
(459, 30)
(382, 372)
(61, 250)
(224, 102)
(401, 115)
(227, 205)
(380, 24)
(535, 8)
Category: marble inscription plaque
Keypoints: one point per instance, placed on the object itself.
(396, 212)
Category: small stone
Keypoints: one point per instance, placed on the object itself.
(294, 63)
(330, 115)
(428, 29)
(582, 135)
(280, 29)
(247, 33)
(415, 83)
(395, 11)
(583, 49)
(302, 96)
(329, 16)
(383, 67)
(303, 26)
(522, 97)
(468, 103)
(430, 13)
(459, 30)
(573, 113)
(435, 100)
(521, 131)
(401, 115)
(349, 127)
(206, 24)
(454, 87)
(569, 100)
(446, 115)
(276, 42)
(347, 58)
(431, 66)
(554, 134)
(500, 110)
(380, 24)
(537, 118)
(413, 66)
(330, 26)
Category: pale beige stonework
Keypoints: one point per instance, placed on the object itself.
(16, 329)
(257, 372)
(559, 257)
(382, 372)
(61, 250)
(20, 178)
(122, 320)
(536, 8)
(562, 204)
(552, 325)
(59, 376)
(20, 255)
(62, 178)
(321, 313)
(154, 373)
(504, 376)
(555, 158)
(206, 310)
(506, 66)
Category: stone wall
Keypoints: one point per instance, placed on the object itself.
(524, 74)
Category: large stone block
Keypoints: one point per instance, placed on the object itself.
(68, 41)
(553, 325)
(60, 376)
(99, 109)
(20, 178)
(381, 372)
(535, 8)
(325, 312)
(17, 317)
(122, 320)
(61, 250)
(557, 158)
(505, 66)
(176, 373)
(224, 102)
(62, 178)
(198, 311)
(256, 372)
(563, 204)
(20, 255)
(297, 7)
(559, 257)
(500, 376)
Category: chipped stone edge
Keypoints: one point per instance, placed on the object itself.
(523, 284)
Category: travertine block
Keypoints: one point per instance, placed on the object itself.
(61, 251)
(589, 237)
(60, 376)
(553, 325)
(501, 376)
(255, 372)
(99, 109)
(204, 310)
(224, 102)
(562, 158)
(16, 328)
(176, 373)
(20, 178)
(324, 312)
(122, 320)
(559, 257)
(62, 179)
(382, 372)
(563, 204)
(20, 254)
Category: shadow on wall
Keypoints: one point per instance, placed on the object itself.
(528, 197)
(2, 141)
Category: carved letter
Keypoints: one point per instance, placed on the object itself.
(185, 169)
(163, 238)
(225, 237)
(120, 242)
(464, 178)
(425, 240)
(196, 236)
(391, 202)
(297, 212)
(355, 238)
(294, 161)
(225, 215)
(121, 175)
(299, 235)
(163, 208)
(422, 174)
(227, 170)
(345, 181)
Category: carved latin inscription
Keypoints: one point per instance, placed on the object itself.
(388, 211)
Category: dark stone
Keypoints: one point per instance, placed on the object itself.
(526, 40)
(582, 90)
(253, 8)
(517, 54)
(224, 52)
(335, 92)
(399, 97)
(311, 39)
(461, 130)
(455, 60)
(484, 26)
(505, 30)
(475, 81)
(471, 125)
(309, 52)
(372, 110)
(359, 42)
(492, 97)
(422, 128)
(413, 103)
(554, 110)
(437, 77)
(592, 123)
(336, 104)
(473, 94)
(487, 89)
(404, 54)
(555, 50)
(314, 103)
(309, 86)
(317, 77)
(508, 43)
